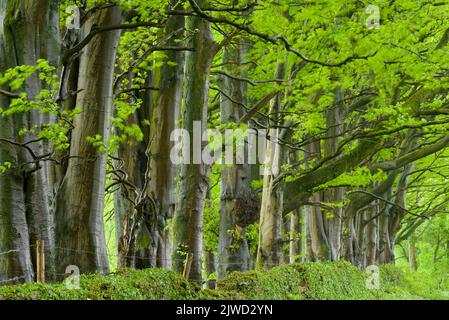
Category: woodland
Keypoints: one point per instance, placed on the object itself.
(109, 109)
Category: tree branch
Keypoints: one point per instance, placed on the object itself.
(272, 39)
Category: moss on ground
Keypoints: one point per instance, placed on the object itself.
(310, 281)
(149, 284)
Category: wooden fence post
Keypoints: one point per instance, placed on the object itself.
(187, 265)
(40, 261)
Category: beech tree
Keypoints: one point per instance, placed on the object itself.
(348, 100)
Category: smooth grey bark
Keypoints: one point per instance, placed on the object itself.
(412, 254)
(390, 220)
(15, 262)
(164, 120)
(384, 228)
(210, 269)
(347, 238)
(397, 214)
(80, 227)
(385, 254)
(238, 201)
(371, 236)
(30, 32)
(334, 222)
(296, 236)
(308, 243)
(319, 243)
(269, 251)
(359, 239)
(194, 178)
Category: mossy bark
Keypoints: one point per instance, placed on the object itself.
(165, 119)
(30, 31)
(237, 205)
(269, 252)
(194, 178)
(80, 229)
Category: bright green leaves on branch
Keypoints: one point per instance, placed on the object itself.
(126, 132)
(15, 79)
(360, 177)
(44, 101)
(97, 142)
(5, 166)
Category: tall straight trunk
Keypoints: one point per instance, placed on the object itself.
(319, 243)
(69, 81)
(347, 237)
(134, 242)
(318, 235)
(385, 255)
(30, 32)
(412, 258)
(269, 251)
(308, 236)
(134, 164)
(359, 240)
(396, 213)
(210, 265)
(334, 223)
(15, 261)
(80, 227)
(296, 236)
(164, 119)
(194, 177)
(390, 220)
(296, 248)
(238, 201)
(143, 254)
(371, 237)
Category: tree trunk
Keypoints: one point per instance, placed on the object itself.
(210, 269)
(137, 255)
(359, 240)
(412, 258)
(371, 237)
(397, 213)
(385, 255)
(319, 243)
(348, 239)
(296, 236)
(238, 201)
(334, 222)
(15, 258)
(80, 227)
(269, 252)
(30, 32)
(194, 177)
(166, 114)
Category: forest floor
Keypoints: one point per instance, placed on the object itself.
(304, 281)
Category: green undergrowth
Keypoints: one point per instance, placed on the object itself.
(305, 281)
(311, 281)
(423, 285)
(149, 284)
